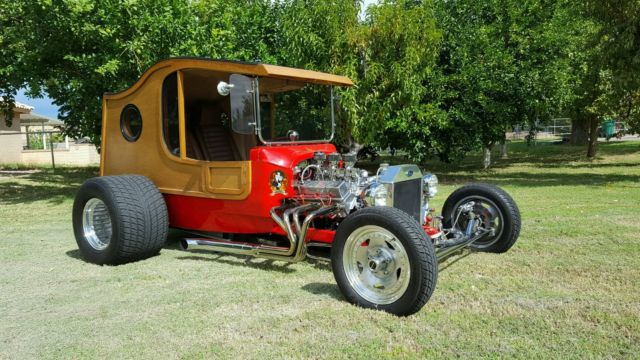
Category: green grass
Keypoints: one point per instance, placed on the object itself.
(568, 289)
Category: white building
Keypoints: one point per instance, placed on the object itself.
(28, 141)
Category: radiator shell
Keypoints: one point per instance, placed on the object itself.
(404, 183)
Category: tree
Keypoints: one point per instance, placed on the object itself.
(397, 59)
(433, 77)
(388, 60)
(605, 64)
(323, 36)
(11, 49)
(499, 65)
(76, 50)
(619, 40)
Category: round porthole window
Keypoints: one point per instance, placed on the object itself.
(131, 123)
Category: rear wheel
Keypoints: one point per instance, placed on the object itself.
(498, 213)
(119, 219)
(382, 259)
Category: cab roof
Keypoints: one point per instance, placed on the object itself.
(244, 68)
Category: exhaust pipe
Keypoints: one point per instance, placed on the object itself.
(297, 247)
(223, 245)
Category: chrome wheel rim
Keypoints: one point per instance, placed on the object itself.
(96, 224)
(491, 219)
(376, 264)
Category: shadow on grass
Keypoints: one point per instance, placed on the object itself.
(206, 255)
(19, 193)
(544, 154)
(44, 184)
(75, 254)
(526, 179)
(589, 165)
(227, 259)
(319, 264)
(326, 289)
(242, 261)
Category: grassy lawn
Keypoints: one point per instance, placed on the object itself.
(570, 287)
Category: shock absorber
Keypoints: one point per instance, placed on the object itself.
(471, 224)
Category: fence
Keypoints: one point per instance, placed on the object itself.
(559, 128)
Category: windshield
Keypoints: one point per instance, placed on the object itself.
(295, 111)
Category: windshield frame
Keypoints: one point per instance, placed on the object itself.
(258, 120)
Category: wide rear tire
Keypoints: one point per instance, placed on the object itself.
(119, 219)
(383, 259)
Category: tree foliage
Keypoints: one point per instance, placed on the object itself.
(618, 58)
(397, 60)
(76, 50)
(433, 77)
(322, 36)
(498, 67)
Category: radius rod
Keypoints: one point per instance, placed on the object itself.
(445, 252)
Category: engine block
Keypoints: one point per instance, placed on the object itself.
(330, 179)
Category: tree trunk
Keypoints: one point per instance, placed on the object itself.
(579, 132)
(593, 137)
(487, 157)
(503, 147)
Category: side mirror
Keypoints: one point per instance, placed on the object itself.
(243, 104)
(224, 89)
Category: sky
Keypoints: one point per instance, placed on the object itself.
(44, 106)
(366, 4)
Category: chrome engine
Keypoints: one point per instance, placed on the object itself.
(333, 180)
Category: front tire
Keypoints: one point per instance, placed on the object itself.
(119, 219)
(383, 259)
(497, 210)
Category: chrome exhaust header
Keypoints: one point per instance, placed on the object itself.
(301, 252)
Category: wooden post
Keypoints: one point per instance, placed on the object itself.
(53, 159)
(44, 138)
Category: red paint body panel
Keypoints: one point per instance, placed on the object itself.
(317, 235)
(251, 215)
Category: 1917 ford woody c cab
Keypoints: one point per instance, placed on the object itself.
(240, 155)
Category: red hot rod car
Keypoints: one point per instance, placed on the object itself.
(240, 155)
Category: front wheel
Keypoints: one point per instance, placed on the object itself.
(382, 259)
(497, 211)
